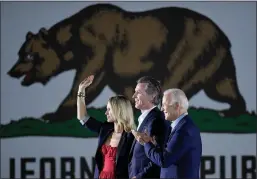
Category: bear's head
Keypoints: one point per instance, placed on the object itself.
(38, 61)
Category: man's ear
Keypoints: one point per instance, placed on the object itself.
(153, 98)
(176, 105)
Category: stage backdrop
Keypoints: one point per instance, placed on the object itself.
(207, 49)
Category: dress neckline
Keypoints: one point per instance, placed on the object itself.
(109, 146)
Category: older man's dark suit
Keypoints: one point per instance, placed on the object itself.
(182, 154)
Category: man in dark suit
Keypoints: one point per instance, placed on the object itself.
(148, 95)
(182, 154)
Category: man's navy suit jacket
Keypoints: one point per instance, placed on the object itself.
(181, 156)
(140, 165)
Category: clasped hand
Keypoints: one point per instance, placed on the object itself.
(144, 137)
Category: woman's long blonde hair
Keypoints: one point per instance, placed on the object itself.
(122, 112)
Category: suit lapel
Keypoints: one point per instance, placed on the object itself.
(121, 143)
(178, 126)
(145, 121)
(105, 137)
(132, 147)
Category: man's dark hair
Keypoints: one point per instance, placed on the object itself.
(153, 88)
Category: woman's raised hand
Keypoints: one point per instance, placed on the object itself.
(86, 82)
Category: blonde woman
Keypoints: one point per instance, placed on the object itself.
(114, 139)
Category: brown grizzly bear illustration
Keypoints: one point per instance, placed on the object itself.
(177, 46)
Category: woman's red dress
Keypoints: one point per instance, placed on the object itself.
(109, 164)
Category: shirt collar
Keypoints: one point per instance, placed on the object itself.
(143, 115)
(174, 123)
